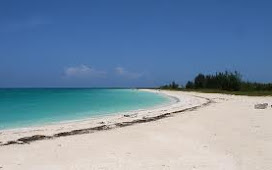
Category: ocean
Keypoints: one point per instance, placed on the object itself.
(28, 107)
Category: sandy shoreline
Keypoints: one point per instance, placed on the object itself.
(227, 134)
(178, 103)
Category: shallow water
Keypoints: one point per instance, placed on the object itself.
(31, 107)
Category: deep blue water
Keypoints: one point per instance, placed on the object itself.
(31, 107)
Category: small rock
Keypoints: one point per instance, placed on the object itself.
(261, 106)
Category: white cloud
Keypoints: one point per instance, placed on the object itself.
(123, 72)
(83, 71)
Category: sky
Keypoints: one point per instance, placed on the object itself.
(131, 43)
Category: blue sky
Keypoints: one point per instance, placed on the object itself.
(107, 43)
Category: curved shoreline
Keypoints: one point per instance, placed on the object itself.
(228, 134)
(184, 102)
(94, 117)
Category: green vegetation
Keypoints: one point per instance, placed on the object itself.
(171, 86)
(248, 86)
(246, 93)
(224, 82)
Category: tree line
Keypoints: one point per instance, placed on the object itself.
(172, 85)
(227, 81)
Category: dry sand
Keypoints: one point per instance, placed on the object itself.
(226, 134)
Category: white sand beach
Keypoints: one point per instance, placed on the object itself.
(221, 132)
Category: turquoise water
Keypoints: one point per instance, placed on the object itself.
(31, 107)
